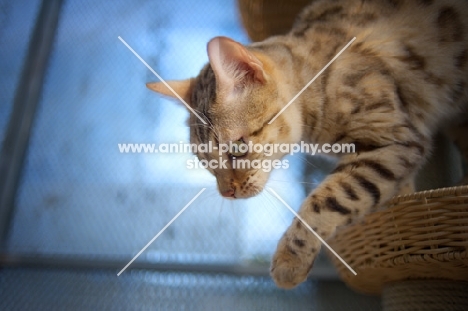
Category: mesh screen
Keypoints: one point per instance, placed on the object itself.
(16, 23)
(80, 195)
(30, 289)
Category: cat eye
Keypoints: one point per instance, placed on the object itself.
(238, 148)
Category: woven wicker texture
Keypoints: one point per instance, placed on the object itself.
(419, 236)
(425, 295)
(263, 18)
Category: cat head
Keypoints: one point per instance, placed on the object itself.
(236, 94)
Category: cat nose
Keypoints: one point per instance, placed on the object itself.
(229, 193)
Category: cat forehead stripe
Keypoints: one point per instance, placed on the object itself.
(162, 80)
(313, 79)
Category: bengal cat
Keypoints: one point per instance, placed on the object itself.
(401, 80)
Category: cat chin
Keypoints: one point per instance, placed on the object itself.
(240, 194)
(248, 194)
(239, 197)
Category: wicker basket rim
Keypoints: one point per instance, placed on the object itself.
(420, 235)
(435, 193)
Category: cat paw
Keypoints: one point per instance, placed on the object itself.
(290, 268)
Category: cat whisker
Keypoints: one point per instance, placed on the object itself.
(207, 119)
(274, 207)
(213, 193)
(295, 181)
(221, 209)
(215, 133)
(201, 125)
(304, 159)
(266, 201)
(209, 127)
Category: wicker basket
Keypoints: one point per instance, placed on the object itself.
(419, 236)
(263, 18)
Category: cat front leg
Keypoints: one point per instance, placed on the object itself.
(360, 183)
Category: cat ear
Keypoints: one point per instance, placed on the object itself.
(233, 64)
(182, 88)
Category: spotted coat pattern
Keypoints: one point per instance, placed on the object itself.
(402, 79)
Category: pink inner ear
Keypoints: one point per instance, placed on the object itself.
(232, 63)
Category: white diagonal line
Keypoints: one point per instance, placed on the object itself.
(162, 80)
(311, 230)
(313, 79)
(160, 232)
